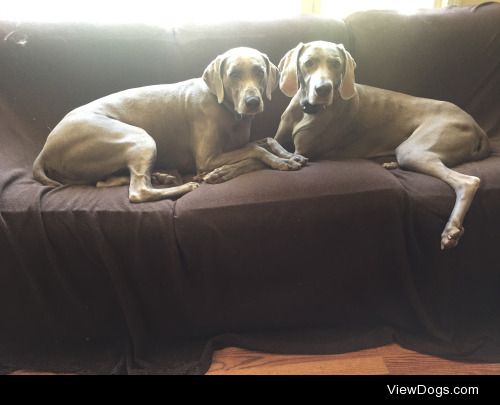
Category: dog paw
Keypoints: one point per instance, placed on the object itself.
(164, 179)
(390, 165)
(302, 160)
(287, 164)
(450, 237)
(192, 185)
(200, 177)
(219, 175)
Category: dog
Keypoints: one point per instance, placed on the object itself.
(200, 125)
(332, 117)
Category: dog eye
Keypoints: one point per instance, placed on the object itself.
(235, 74)
(335, 63)
(259, 73)
(309, 63)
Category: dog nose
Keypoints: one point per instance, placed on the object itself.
(323, 89)
(252, 102)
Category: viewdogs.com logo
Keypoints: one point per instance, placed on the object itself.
(438, 392)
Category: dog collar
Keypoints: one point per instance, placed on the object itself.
(309, 108)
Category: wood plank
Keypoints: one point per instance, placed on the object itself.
(239, 361)
(390, 359)
(415, 363)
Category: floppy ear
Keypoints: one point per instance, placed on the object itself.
(213, 77)
(272, 76)
(347, 89)
(289, 83)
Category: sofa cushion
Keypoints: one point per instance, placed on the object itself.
(447, 54)
(324, 245)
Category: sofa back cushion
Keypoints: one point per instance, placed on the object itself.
(49, 69)
(451, 54)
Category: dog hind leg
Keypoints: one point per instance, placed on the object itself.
(141, 158)
(465, 188)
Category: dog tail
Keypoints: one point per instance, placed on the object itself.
(40, 175)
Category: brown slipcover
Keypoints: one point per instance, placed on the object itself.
(338, 256)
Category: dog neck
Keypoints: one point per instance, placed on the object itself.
(335, 118)
(236, 116)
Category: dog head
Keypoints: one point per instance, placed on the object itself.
(241, 77)
(319, 69)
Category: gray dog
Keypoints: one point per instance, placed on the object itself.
(330, 116)
(200, 125)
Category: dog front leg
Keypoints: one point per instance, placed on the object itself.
(289, 118)
(249, 151)
(274, 147)
(228, 172)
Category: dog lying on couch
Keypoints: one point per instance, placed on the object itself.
(330, 116)
(197, 125)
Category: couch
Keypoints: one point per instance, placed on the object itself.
(339, 256)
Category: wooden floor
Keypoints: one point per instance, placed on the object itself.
(391, 359)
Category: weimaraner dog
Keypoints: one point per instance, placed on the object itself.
(330, 116)
(199, 125)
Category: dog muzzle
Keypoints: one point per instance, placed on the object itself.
(309, 108)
